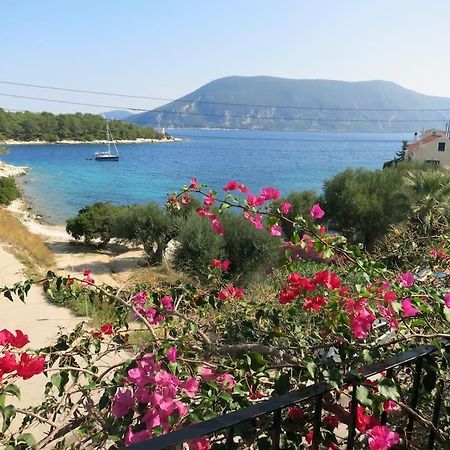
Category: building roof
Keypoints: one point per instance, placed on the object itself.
(425, 140)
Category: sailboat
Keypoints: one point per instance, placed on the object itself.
(108, 156)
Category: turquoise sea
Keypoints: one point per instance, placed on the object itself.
(64, 178)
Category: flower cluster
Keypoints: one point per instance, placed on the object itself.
(166, 396)
(151, 313)
(230, 292)
(23, 365)
(222, 265)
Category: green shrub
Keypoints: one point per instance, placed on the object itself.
(198, 246)
(302, 203)
(250, 251)
(93, 222)
(8, 190)
(362, 204)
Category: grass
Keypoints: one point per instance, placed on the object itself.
(29, 248)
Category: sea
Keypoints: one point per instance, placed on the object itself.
(65, 178)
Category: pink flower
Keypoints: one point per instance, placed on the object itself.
(199, 444)
(8, 338)
(391, 407)
(207, 373)
(190, 387)
(226, 381)
(217, 227)
(317, 212)
(409, 310)
(255, 220)
(254, 201)
(275, 230)
(447, 299)
(231, 186)
(172, 354)
(361, 322)
(167, 302)
(390, 296)
(208, 200)
(185, 200)
(132, 437)
(406, 279)
(122, 403)
(222, 265)
(382, 438)
(270, 193)
(8, 363)
(87, 272)
(285, 207)
(194, 184)
(140, 298)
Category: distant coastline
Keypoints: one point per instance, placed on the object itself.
(97, 141)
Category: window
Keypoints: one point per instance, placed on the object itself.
(441, 146)
(433, 162)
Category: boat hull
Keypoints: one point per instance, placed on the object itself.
(107, 158)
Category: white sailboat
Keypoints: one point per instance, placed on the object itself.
(108, 156)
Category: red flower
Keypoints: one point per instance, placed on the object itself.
(29, 366)
(287, 295)
(87, 272)
(8, 363)
(107, 328)
(97, 334)
(328, 279)
(194, 184)
(363, 421)
(231, 186)
(331, 420)
(295, 413)
(314, 303)
(8, 338)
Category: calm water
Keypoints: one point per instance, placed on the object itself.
(64, 178)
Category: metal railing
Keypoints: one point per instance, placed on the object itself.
(314, 393)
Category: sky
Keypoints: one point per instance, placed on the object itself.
(168, 48)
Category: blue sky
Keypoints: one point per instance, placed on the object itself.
(169, 48)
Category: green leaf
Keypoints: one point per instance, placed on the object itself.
(311, 367)
(447, 314)
(28, 438)
(226, 396)
(362, 394)
(59, 380)
(8, 413)
(12, 389)
(282, 384)
(388, 389)
(257, 361)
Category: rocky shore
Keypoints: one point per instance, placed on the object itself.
(98, 141)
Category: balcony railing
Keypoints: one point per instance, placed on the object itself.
(314, 394)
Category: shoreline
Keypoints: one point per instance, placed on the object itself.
(95, 142)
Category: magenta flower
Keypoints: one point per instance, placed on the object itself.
(231, 186)
(361, 322)
(226, 381)
(132, 437)
(254, 201)
(122, 403)
(167, 302)
(270, 193)
(199, 444)
(172, 354)
(217, 227)
(406, 279)
(382, 438)
(207, 373)
(285, 207)
(194, 184)
(190, 386)
(317, 212)
(409, 310)
(447, 299)
(275, 230)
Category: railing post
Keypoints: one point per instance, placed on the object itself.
(414, 399)
(317, 421)
(276, 429)
(384, 415)
(436, 411)
(230, 442)
(352, 426)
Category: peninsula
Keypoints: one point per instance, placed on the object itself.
(39, 128)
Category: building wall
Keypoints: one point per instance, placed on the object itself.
(429, 152)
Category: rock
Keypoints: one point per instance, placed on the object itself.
(169, 252)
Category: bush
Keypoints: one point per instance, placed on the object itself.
(302, 203)
(8, 190)
(362, 204)
(249, 250)
(198, 246)
(93, 222)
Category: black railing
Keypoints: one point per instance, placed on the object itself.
(227, 423)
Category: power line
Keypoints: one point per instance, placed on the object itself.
(156, 111)
(112, 94)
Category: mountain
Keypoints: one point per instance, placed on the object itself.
(116, 114)
(269, 103)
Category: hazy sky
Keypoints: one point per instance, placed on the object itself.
(168, 48)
